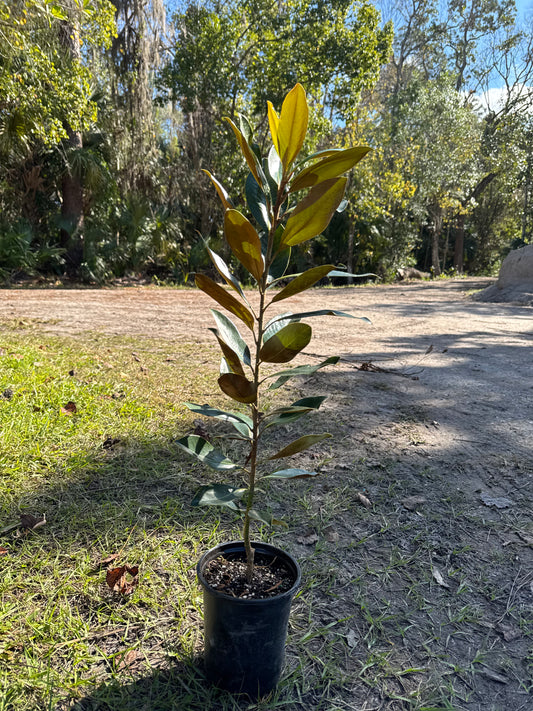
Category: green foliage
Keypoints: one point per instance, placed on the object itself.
(283, 221)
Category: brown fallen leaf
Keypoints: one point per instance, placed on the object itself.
(308, 539)
(364, 500)
(413, 502)
(331, 534)
(69, 409)
(109, 559)
(438, 577)
(127, 660)
(118, 581)
(136, 357)
(509, 632)
(3, 551)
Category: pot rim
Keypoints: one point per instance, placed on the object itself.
(261, 547)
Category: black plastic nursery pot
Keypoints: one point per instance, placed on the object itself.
(244, 648)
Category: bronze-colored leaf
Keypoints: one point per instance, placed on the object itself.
(3, 551)
(70, 408)
(225, 299)
(123, 580)
(238, 387)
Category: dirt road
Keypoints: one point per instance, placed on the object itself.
(432, 404)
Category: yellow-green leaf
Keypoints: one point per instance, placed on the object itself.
(232, 359)
(312, 215)
(225, 299)
(286, 343)
(273, 122)
(304, 281)
(300, 445)
(238, 387)
(244, 242)
(246, 150)
(329, 167)
(292, 126)
(221, 190)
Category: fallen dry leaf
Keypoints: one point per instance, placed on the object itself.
(136, 357)
(438, 577)
(308, 539)
(413, 502)
(331, 534)
(109, 559)
(509, 632)
(3, 551)
(118, 581)
(364, 500)
(69, 409)
(128, 659)
(499, 501)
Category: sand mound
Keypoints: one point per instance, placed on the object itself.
(515, 281)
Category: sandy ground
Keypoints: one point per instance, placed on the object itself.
(433, 400)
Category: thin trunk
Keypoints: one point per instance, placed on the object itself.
(435, 239)
(445, 255)
(527, 189)
(71, 237)
(459, 248)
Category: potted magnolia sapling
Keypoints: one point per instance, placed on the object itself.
(248, 585)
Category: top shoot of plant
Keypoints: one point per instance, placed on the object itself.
(291, 201)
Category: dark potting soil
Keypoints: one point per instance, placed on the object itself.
(227, 573)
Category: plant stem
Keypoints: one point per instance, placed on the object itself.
(256, 376)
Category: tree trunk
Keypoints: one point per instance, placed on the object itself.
(459, 248)
(71, 237)
(435, 238)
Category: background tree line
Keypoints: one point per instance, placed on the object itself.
(109, 111)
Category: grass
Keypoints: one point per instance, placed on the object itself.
(371, 629)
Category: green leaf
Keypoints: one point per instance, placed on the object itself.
(238, 387)
(231, 417)
(298, 409)
(304, 281)
(230, 335)
(231, 358)
(247, 152)
(290, 474)
(205, 452)
(284, 345)
(336, 273)
(299, 445)
(221, 190)
(277, 323)
(246, 128)
(292, 126)
(312, 215)
(329, 167)
(266, 518)
(257, 202)
(275, 168)
(324, 312)
(223, 269)
(218, 495)
(299, 371)
(244, 242)
(225, 299)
